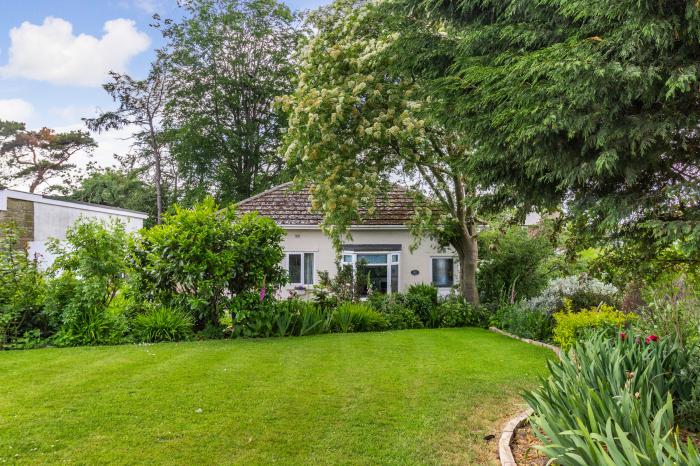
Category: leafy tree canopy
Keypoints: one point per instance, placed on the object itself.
(590, 104)
(358, 120)
(228, 60)
(117, 188)
(38, 156)
(141, 104)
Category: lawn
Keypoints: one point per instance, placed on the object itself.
(405, 397)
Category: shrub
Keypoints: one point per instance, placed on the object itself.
(688, 408)
(609, 401)
(520, 320)
(423, 289)
(311, 320)
(252, 316)
(398, 316)
(369, 320)
(199, 258)
(287, 312)
(511, 266)
(211, 332)
(571, 326)
(87, 275)
(582, 291)
(673, 309)
(163, 324)
(343, 318)
(456, 312)
(423, 301)
(22, 290)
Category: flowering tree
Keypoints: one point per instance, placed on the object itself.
(356, 120)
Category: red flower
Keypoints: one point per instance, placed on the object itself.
(651, 338)
(623, 336)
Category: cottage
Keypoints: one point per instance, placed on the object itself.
(42, 217)
(381, 242)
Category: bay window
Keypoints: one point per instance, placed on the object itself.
(380, 269)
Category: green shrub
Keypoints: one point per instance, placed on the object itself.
(456, 312)
(199, 259)
(398, 316)
(520, 320)
(22, 293)
(571, 326)
(688, 406)
(423, 289)
(583, 292)
(87, 275)
(163, 324)
(344, 318)
(422, 300)
(512, 264)
(367, 319)
(673, 308)
(212, 332)
(610, 401)
(311, 320)
(253, 317)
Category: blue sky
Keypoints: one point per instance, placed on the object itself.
(55, 53)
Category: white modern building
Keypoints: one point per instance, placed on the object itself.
(42, 217)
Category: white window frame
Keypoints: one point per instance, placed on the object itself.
(389, 263)
(303, 269)
(454, 271)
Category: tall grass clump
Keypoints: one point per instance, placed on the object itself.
(609, 401)
(163, 324)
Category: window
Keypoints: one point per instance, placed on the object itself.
(443, 271)
(301, 268)
(380, 269)
(373, 267)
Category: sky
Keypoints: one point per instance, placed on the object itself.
(55, 54)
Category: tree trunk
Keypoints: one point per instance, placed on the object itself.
(468, 254)
(159, 189)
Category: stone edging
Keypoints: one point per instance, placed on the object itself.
(505, 454)
(556, 349)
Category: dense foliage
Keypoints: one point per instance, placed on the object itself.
(610, 401)
(117, 188)
(571, 327)
(198, 259)
(22, 292)
(592, 103)
(513, 264)
(163, 324)
(88, 271)
(522, 321)
(420, 307)
(228, 60)
(581, 292)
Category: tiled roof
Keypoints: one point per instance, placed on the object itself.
(288, 207)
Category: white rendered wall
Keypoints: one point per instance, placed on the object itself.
(313, 240)
(52, 221)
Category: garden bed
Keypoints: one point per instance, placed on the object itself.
(523, 446)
